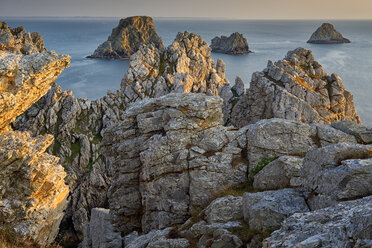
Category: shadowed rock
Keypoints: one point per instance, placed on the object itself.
(127, 37)
(327, 34)
(234, 44)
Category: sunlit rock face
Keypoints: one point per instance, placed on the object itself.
(32, 188)
(295, 88)
(127, 37)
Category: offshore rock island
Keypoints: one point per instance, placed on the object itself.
(127, 37)
(178, 157)
(327, 34)
(234, 44)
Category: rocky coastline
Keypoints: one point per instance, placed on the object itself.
(178, 157)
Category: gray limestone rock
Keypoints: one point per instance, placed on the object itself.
(235, 44)
(266, 210)
(224, 209)
(327, 34)
(337, 172)
(127, 37)
(361, 133)
(347, 224)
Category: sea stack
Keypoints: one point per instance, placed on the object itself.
(127, 37)
(327, 34)
(234, 44)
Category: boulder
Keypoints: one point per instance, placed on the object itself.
(127, 37)
(295, 88)
(347, 224)
(98, 233)
(362, 134)
(327, 34)
(234, 44)
(224, 209)
(336, 173)
(266, 210)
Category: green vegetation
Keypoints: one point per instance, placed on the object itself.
(263, 162)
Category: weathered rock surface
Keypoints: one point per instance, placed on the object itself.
(327, 34)
(32, 188)
(234, 44)
(18, 41)
(127, 37)
(337, 173)
(266, 210)
(347, 224)
(278, 137)
(362, 134)
(185, 66)
(224, 209)
(295, 88)
(77, 125)
(281, 173)
(171, 155)
(24, 79)
(98, 233)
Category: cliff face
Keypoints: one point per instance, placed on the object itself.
(127, 37)
(295, 88)
(32, 188)
(234, 44)
(327, 34)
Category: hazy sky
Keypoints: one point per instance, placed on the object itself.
(241, 9)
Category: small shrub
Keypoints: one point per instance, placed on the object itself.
(263, 162)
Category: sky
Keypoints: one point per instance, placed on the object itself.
(232, 9)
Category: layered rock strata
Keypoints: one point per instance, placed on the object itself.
(327, 34)
(235, 44)
(127, 37)
(33, 192)
(295, 88)
(171, 155)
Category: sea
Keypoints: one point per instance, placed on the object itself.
(269, 40)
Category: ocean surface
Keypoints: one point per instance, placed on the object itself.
(270, 40)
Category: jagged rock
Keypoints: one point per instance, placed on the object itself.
(32, 188)
(234, 44)
(295, 88)
(361, 133)
(278, 137)
(347, 224)
(266, 210)
(224, 209)
(77, 125)
(185, 66)
(327, 34)
(337, 172)
(25, 79)
(18, 41)
(281, 173)
(98, 233)
(127, 37)
(172, 155)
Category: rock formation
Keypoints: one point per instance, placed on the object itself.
(327, 34)
(18, 41)
(234, 44)
(127, 37)
(171, 155)
(32, 188)
(295, 88)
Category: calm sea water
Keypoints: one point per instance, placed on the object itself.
(270, 40)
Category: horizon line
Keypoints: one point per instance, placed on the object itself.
(198, 18)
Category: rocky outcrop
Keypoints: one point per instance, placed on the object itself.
(362, 134)
(295, 88)
(185, 66)
(32, 188)
(18, 41)
(171, 155)
(127, 37)
(347, 224)
(327, 34)
(77, 125)
(234, 44)
(336, 173)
